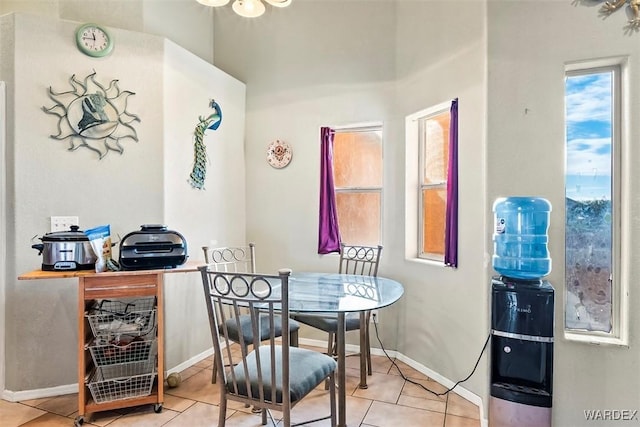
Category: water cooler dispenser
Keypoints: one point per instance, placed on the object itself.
(522, 315)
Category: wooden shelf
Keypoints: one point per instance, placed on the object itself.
(113, 285)
(189, 266)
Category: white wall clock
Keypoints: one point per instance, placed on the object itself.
(94, 40)
(279, 154)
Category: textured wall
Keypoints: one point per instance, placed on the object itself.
(526, 151)
(334, 63)
(146, 184)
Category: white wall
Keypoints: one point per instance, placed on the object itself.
(3, 233)
(6, 71)
(528, 44)
(50, 180)
(339, 62)
(320, 63)
(307, 70)
(216, 213)
(441, 56)
(185, 22)
(146, 184)
(304, 75)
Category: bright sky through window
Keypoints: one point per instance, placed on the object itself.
(589, 211)
(589, 106)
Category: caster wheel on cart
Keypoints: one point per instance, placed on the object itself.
(78, 422)
(158, 408)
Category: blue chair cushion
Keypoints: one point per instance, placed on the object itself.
(329, 322)
(307, 369)
(247, 332)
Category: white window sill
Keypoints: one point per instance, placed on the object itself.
(595, 339)
(425, 261)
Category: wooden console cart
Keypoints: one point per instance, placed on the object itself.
(141, 289)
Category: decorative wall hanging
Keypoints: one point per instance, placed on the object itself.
(92, 116)
(199, 172)
(609, 7)
(279, 154)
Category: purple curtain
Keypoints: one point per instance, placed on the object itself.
(451, 226)
(328, 232)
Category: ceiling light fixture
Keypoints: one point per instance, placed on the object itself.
(247, 8)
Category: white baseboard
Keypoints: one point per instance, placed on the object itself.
(189, 363)
(468, 395)
(350, 348)
(12, 396)
(18, 396)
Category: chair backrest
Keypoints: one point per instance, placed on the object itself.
(264, 297)
(363, 260)
(234, 259)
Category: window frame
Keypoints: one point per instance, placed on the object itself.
(365, 127)
(442, 186)
(620, 242)
(414, 222)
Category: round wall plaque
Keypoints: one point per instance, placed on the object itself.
(279, 154)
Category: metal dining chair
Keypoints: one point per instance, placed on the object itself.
(354, 259)
(273, 376)
(242, 259)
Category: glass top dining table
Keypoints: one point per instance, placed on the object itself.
(338, 294)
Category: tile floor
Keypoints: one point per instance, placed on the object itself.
(390, 401)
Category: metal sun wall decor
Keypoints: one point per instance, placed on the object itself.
(93, 116)
(199, 172)
(633, 11)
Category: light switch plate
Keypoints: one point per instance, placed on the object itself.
(63, 223)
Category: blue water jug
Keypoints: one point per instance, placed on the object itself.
(520, 237)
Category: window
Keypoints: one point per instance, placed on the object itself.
(427, 134)
(594, 297)
(357, 171)
(434, 158)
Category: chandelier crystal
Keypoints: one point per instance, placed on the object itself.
(247, 8)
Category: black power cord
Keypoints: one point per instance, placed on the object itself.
(393, 362)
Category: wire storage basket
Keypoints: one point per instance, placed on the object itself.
(109, 319)
(122, 381)
(123, 349)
